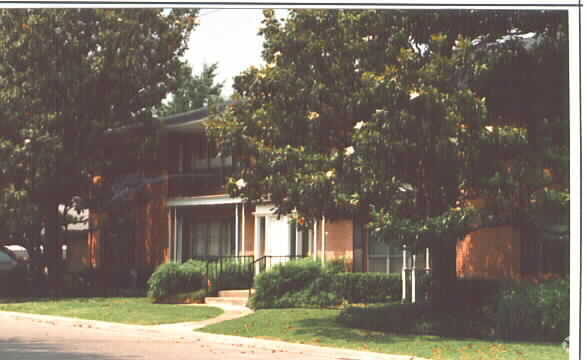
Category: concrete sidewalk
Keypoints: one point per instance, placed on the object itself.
(184, 332)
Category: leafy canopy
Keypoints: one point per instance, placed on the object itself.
(193, 91)
(376, 115)
(68, 75)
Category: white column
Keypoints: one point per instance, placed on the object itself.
(314, 235)
(243, 231)
(404, 276)
(427, 267)
(179, 239)
(169, 232)
(413, 278)
(323, 240)
(236, 228)
(256, 242)
(174, 237)
(298, 241)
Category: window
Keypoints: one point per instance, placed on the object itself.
(205, 156)
(388, 259)
(212, 238)
(384, 258)
(301, 241)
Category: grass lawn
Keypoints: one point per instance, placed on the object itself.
(318, 327)
(139, 311)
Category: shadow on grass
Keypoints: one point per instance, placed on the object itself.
(12, 349)
(332, 330)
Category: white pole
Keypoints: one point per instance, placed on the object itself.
(256, 242)
(176, 229)
(169, 232)
(179, 242)
(236, 229)
(242, 232)
(427, 267)
(315, 239)
(404, 276)
(413, 278)
(323, 240)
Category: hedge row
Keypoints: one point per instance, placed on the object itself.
(306, 283)
(515, 311)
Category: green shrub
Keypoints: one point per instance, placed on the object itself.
(284, 284)
(510, 311)
(368, 287)
(337, 265)
(173, 278)
(402, 318)
(414, 318)
(527, 311)
(306, 283)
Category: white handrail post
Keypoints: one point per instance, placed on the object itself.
(404, 276)
(413, 277)
(427, 267)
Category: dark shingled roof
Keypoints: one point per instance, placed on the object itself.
(188, 120)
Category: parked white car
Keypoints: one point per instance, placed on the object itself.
(13, 256)
(8, 261)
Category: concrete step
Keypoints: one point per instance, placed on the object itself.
(237, 301)
(235, 293)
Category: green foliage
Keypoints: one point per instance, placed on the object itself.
(306, 283)
(369, 287)
(509, 311)
(533, 311)
(193, 91)
(401, 318)
(67, 76)
(283, 284)
(394, 117)
(173, 278)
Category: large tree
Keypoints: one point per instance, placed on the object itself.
(193, 91)
(68, 75)
(378, 115)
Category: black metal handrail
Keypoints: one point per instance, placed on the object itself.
(223, 272)
(264, 263)
(238, 272)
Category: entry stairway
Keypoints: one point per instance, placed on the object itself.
(230, 297)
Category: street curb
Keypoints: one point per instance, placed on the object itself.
(187, 332)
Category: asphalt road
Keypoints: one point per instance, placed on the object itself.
(26, 339)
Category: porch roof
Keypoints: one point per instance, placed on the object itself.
(187, 122)
(223, 199)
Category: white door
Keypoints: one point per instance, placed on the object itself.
(278, 242)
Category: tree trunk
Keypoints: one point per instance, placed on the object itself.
(443, 274)
(53, 246)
